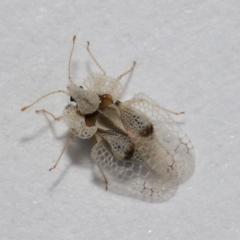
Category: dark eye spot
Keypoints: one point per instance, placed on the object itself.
(81, 87)
(117, 103)
(72, 100)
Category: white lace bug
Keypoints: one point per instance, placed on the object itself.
(135, 143)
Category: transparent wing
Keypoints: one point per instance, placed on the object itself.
(102, 84)
(162, 143)
(133, 173)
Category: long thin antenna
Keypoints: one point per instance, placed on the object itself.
(94, 59)
(70, 59)
(59, 91)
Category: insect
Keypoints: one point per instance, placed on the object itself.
(134, 143)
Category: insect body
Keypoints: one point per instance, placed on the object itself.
(136, 142)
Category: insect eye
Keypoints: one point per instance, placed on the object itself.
(72, 100)
(117, 102)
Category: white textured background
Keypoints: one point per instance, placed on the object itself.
(188, 58)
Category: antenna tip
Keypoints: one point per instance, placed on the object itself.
(24, 108)
(74, 38)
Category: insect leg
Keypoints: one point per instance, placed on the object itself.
(94, 59)
(172, 112)
(65, 147)
(128, 71)
(49, 113)
(105, 178)
(59, 91)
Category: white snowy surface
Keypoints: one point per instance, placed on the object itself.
(188, 59)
